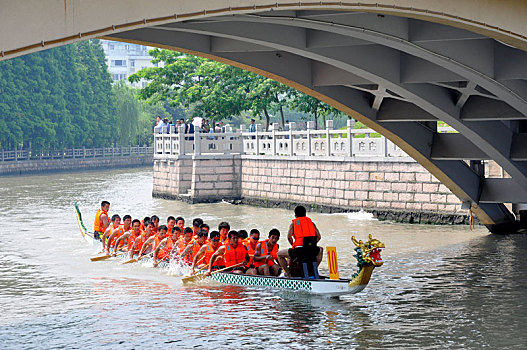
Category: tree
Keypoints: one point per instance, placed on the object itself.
(57, 98)
(308, 104)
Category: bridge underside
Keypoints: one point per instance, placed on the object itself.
(399, 76)
(399, 70)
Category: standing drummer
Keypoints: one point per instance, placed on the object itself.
(301, 227)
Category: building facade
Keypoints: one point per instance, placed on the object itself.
(124, 59)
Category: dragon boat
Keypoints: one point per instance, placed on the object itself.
(368, 255)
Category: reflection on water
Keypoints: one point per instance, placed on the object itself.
(440, 287)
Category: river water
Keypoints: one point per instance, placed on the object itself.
(440, 286)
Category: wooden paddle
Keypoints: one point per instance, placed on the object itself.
(135, 259)
(195, 278)
(186, 279)
(99, 258)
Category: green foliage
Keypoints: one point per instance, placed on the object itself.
(217, 91)
(56, 98)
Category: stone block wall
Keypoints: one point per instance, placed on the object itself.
(216, 179)
(173, 178)
(399, 189)
(198, 178)
(382, 187)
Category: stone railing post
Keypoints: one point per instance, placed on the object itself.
(16, 154)
(385, 145)
(83, 152)
(181, 139)
(310, 126)
(73, 153)
(329, 126)
(3, 155)
(274, 141)
(197, 142)
(350, 123)
(291, 141)
(258, 129)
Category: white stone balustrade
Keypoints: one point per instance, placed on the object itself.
(348, 142)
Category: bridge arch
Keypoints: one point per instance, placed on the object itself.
(399, 69)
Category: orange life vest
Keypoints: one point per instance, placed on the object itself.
(250, 250)
(234, 256)
(142, 240)
(98, 225)
(302, 227)
(132, 238)
(265, 251)
(164, 253)
(120, 232)
(124, 242)
(209, 251)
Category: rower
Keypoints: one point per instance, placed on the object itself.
(129, 238)
(155, 221)
(114, 227)
(205, 227)
(171, 223)
(165, 246)
(180, 222)
(266, 255)
(194, 246)
(301, 227)
(234, 253)
(102, 220)
(243, 236)
(184, 240)
(146, 219)
(137, 246)
(251, 243)
(112, 238)
(224, 229)
(196, 223)
(153, 241)
(208, 249)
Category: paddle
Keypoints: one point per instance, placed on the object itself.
(135, 259)
(186, 279)
(99, 258)
(201, 276)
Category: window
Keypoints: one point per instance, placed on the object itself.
(111, 46)
(122, 76)
(132, 63)
(119, 63)
(115, 77)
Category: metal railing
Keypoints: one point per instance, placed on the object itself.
(73, 153)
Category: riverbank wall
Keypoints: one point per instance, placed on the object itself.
(44, 166)
(392, 189)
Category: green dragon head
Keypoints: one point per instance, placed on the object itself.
(369, 252)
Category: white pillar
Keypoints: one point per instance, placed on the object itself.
(350, 125)
(197, 142)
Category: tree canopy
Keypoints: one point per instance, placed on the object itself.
(217, 91)
(63, 97)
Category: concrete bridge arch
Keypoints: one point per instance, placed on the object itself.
(397, 66)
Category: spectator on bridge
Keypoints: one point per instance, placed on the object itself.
(217, 129)
(252, 126)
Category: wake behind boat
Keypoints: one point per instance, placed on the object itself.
(368, 255)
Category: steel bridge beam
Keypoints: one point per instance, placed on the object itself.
(413, 138)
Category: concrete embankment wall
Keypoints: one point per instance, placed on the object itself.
(76, 164)
(400, 190)
(394, 190)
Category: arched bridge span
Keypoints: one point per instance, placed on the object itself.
(398, 69)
